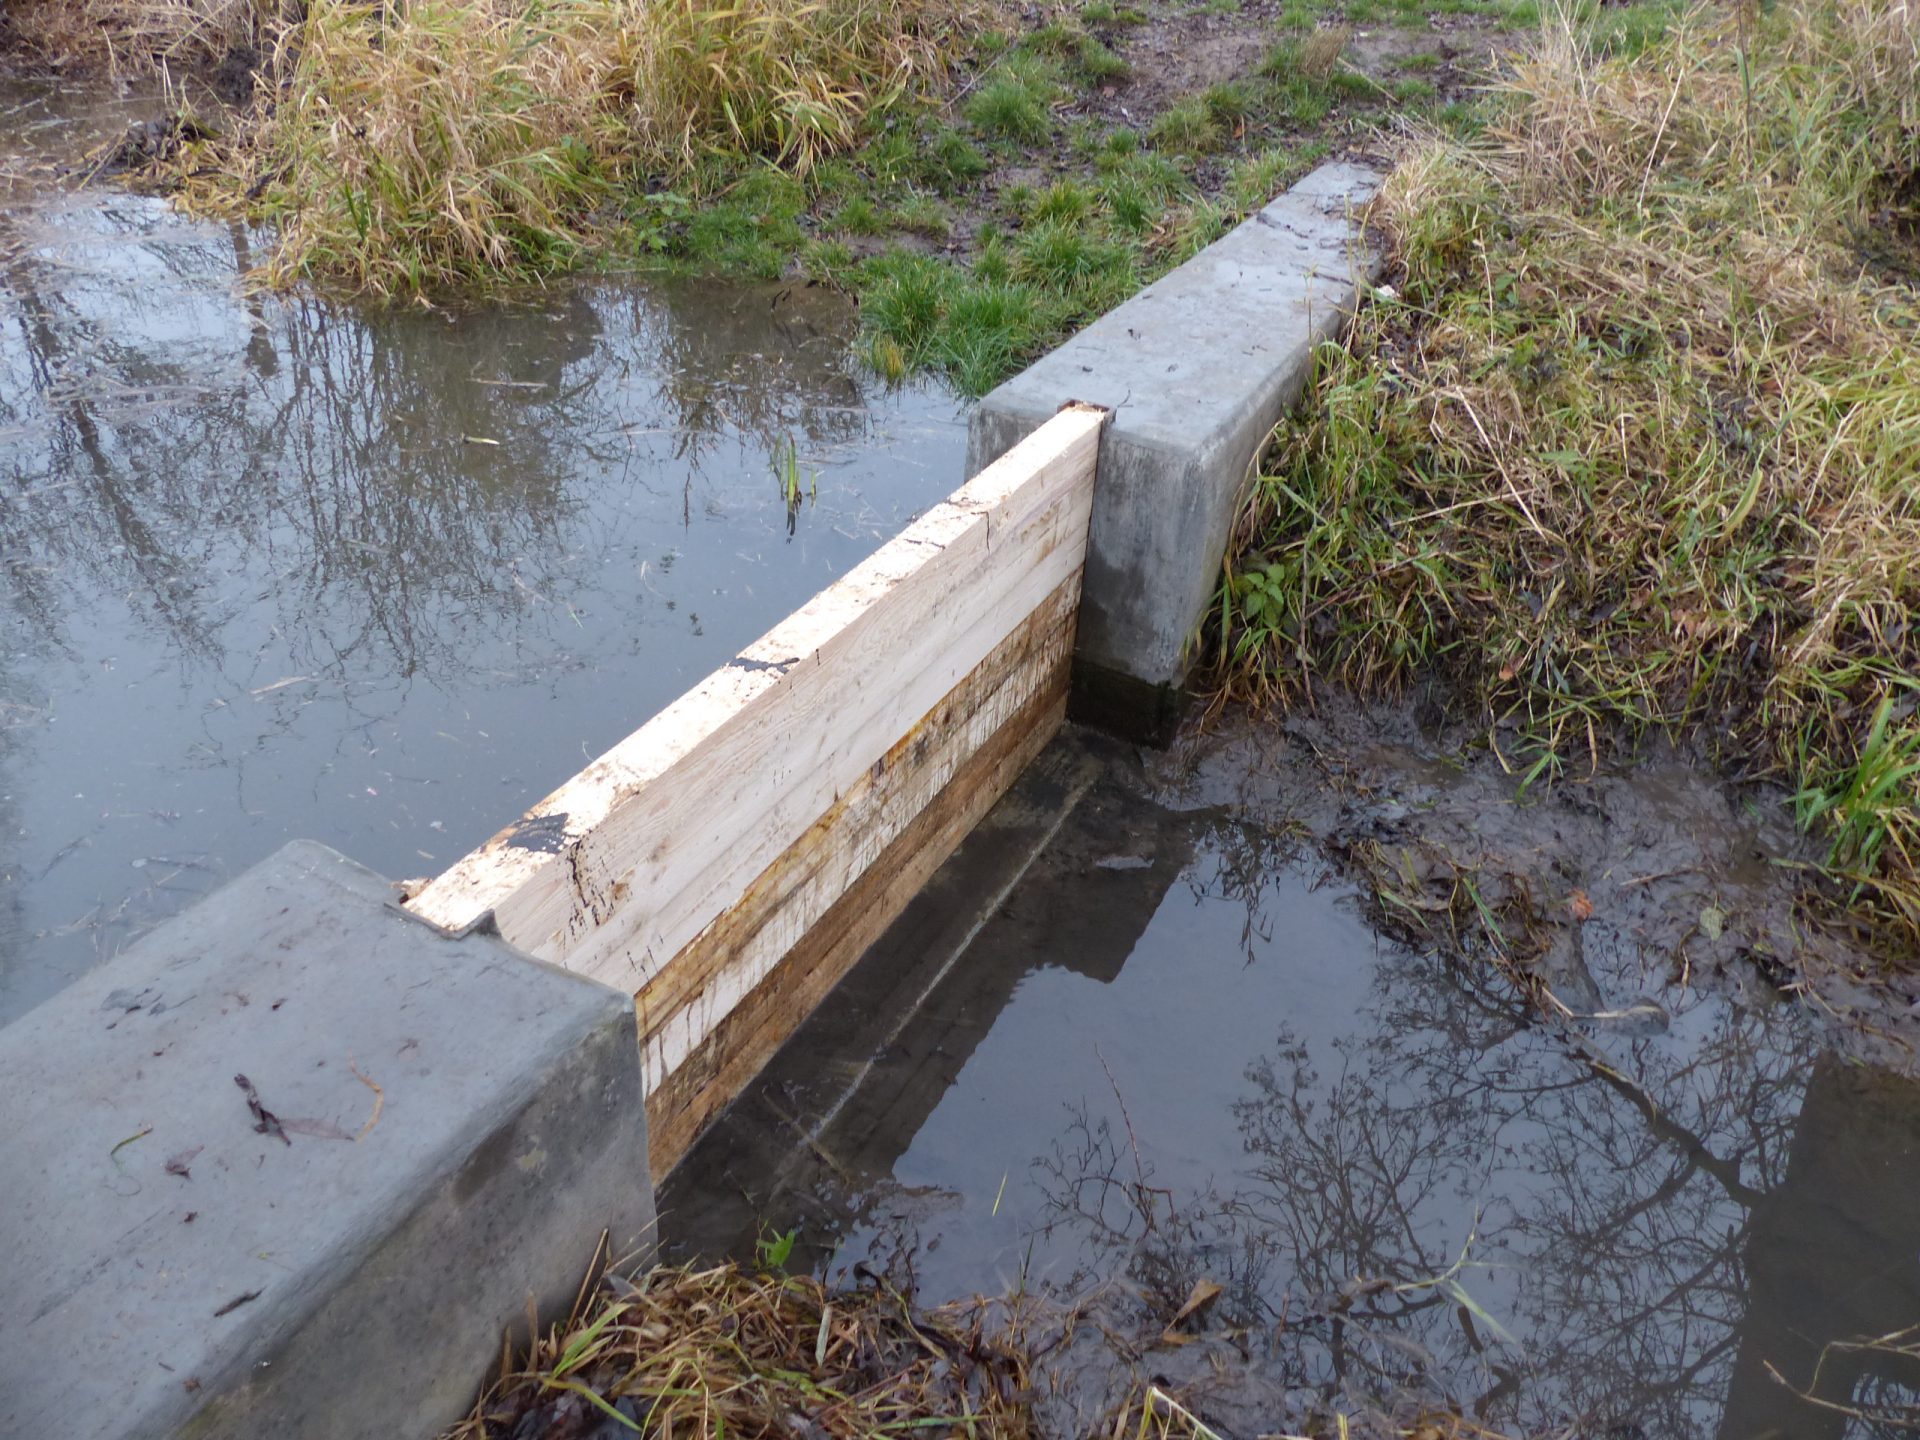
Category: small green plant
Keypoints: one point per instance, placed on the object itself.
(1229, 105)
(1097, 64)
(859, 216)
(905, 297)
(1064, 257)
(921, 215)
(1260, 177)
(1064, 200)
(772, 1252)
(951, 161)
(1872, 808)
(1128, 205)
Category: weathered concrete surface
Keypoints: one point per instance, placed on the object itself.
(1197, 369)
(171, 1270)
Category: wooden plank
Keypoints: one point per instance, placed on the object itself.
(728, 1058)
(684, 1002)
(617, 870)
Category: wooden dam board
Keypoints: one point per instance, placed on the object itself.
(746, 1035)
(724, 862)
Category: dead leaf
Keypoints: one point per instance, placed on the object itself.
(1581, 906)
(1205, 1292)
(179, 1163)
(265, 1122)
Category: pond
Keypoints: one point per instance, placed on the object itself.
(276, 568)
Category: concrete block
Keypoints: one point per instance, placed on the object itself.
(178, 1265)
(1197, 369)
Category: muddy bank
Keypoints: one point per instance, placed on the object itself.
(1313, 1071)
(1647, 874)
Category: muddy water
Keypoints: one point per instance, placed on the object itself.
(274, 568)
(1143, 1038)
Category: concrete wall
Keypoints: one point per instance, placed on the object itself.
(1197, 369)
(453, 1127)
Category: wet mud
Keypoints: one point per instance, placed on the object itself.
(1318, 1069)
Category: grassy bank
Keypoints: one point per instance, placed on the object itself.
(1632, 440)
(984, 180)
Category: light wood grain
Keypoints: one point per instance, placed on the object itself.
(658, 832)
(773, 912)
(727, 861)
(728, 1057)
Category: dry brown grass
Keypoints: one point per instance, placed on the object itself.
(141, 37)
(422, 143)
(722, 1352)
(1638, 440)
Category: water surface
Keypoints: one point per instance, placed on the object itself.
(278, 568)
(1119, 1051)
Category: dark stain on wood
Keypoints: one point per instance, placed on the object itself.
(546, 834)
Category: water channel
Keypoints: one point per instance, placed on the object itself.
(1142, 1038)
(280, 567)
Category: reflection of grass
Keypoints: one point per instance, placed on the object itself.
(1633, 443)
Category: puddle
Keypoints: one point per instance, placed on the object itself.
(283, 568)
(1123, 1048)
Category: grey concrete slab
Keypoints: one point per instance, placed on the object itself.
(173, 1266)
(1197, 368)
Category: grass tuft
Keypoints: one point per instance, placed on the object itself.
(1633, 443)
(1014, 102)
(725, 1352)
(414, 144)
(1186, 127)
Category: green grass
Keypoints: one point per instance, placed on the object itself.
(1067, 201)
(951, 162)
(859, 216)
(1630, 445)
(1187, 127)
(1261, 176)
(1097, 64)
(1013, 103)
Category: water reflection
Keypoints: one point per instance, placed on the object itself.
(278, 568)
(1176, 1055)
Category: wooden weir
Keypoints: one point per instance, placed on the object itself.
(729, 860)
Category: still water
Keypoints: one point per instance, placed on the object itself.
(277, 568)
(1120, 1053)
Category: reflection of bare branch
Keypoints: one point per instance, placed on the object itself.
(341, 444)
(1614, 1189)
